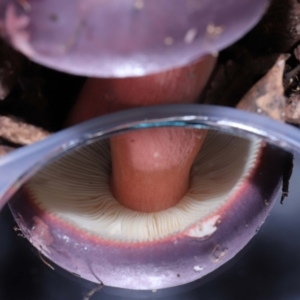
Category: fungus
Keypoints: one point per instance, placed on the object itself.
(68, 212)
(83, 211)
(75, 188)
(129, 38)
(150, 169)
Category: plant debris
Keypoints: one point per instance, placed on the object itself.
(19, 132)
(287, 173)
(266, 97)
(243, 64)
(93, 291)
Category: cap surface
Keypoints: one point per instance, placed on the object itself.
(112, 38)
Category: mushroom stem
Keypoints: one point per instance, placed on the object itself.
(152, 171)
(150, 168)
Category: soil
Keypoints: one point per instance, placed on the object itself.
(35, 95)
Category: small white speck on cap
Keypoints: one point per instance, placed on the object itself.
(190, 35)
(139, 4)
(214, 31)
(198, 269)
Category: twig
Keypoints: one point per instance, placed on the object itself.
(44, 261)
(93, 291)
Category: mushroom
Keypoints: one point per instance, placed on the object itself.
(72, 214)
(110, 38)
(68, 212)
(159, 168)
(84, 239)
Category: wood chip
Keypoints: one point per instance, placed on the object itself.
(266, 97)
(19, 132)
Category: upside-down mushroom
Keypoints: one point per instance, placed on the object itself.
(69, 213)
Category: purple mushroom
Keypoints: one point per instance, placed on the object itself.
(114, 38)
(68, 210)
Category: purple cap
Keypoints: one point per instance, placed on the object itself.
(113, 38)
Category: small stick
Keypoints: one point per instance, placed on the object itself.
(93, 291)
(44, 261)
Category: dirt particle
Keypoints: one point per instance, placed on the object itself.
(190, 35)
(40, 233)
(198, 268)
(214, 31)
(53, 17)
(218, 252)
(139, 4)
(168, 41)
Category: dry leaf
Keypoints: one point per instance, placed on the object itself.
(266, 97)
(293, 109)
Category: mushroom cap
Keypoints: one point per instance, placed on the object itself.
(112, 38)
(81, 239)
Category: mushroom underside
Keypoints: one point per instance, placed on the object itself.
(75, 188)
